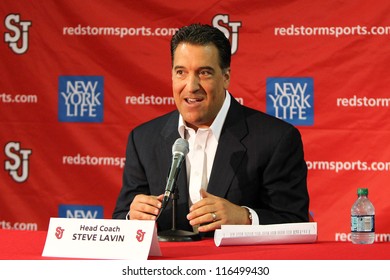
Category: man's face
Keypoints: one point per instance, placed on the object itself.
(198, 83)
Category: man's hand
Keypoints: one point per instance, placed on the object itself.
(145, 207)
(212, 211)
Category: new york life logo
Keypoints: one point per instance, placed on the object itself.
(291, 99)
(80, 211)
(80, 99)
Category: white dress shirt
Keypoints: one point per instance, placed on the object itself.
(203, 145)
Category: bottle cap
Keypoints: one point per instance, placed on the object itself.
(362, 191)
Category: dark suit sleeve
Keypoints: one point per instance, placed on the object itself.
(134, 180)
(285, 194)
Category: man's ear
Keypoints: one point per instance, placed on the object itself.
(226, 77)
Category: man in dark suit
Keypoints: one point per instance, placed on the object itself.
(244, 167)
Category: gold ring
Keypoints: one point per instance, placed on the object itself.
(214, 216)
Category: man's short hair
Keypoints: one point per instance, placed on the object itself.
(202, 35)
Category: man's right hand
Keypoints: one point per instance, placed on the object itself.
(145, 207)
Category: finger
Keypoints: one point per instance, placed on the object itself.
(213, 225)
(210, 227)
(203, 193)
(206, 218)
(199, 210)
(207, 199)
(148, 199)
(137, 215)
(144, 207)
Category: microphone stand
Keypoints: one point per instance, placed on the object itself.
(177, 235)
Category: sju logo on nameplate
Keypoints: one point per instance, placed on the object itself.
(59, 232)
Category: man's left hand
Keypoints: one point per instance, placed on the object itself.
(212, 211)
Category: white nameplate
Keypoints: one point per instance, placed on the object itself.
(266, 234)
(101, 239)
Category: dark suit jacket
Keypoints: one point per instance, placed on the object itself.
(259, 163)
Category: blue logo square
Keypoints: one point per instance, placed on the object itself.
(80, 211)
(80, 99)
(291, 99)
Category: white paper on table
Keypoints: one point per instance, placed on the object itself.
(266, 234)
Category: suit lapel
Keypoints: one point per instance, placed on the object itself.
(230, 151)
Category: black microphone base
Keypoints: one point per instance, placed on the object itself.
(177, 235)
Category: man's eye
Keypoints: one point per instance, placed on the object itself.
(205, 73)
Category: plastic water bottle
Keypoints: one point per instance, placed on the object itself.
(362, 219)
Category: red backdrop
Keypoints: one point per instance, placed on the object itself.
(77, 76)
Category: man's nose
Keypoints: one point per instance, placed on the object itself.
(193, 83)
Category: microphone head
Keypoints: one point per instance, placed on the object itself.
(180, 146)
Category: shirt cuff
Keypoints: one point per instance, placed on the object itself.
(255, 217)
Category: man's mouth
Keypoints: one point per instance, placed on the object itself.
(193, 100)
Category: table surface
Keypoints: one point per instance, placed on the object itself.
(28, 245)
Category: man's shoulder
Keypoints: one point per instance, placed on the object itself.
(159, 121)
(258, 118)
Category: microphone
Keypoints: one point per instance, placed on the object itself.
(179, 151)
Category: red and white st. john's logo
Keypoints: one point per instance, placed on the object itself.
(59, 232)
(140, 235)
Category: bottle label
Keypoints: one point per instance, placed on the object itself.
(362, 223)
